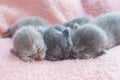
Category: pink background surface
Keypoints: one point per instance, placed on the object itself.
(105, 67)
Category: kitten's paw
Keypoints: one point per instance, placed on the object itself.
(83, 56)
(27, 59)
(100, 53)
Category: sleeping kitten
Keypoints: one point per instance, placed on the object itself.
(28, 44)
(30, 20)
(58, 42)
(91, 40)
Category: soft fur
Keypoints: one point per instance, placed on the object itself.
(90, 40)
(25, 22)
(28, 44)
(58, 41)
(80, 21)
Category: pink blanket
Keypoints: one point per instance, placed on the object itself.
(105, 67)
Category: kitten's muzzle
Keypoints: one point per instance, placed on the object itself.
(74, 50)
(37, 57)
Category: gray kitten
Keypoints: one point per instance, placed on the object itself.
(58, 42)
(90, 40)
(30, 20)
(28, 44)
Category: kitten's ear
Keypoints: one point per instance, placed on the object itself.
(75, 26)
(66, 32)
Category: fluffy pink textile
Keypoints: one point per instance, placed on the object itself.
(105, 67)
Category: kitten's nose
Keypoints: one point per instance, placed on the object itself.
(36, 57)
(74, 50)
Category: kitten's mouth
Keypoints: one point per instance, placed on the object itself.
(36, 57)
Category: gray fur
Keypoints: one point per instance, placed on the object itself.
(110, 23)
(59, 46)
(91, 40)
(58, 42)
(28, 44)
(80, 21)
(30, 20)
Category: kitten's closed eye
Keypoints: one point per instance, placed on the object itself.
(39, 49)
(86, 50)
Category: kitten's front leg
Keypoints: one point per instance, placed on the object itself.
(100, 53)
(87, 56)
(22, 56)
(84, 56)
(26, 59)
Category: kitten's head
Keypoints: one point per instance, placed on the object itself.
(28, 42)
(58, 42)
(88, 41)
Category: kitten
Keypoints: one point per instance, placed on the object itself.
(30, 20)
(58, 42)
(91, 40)
(28, 44)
